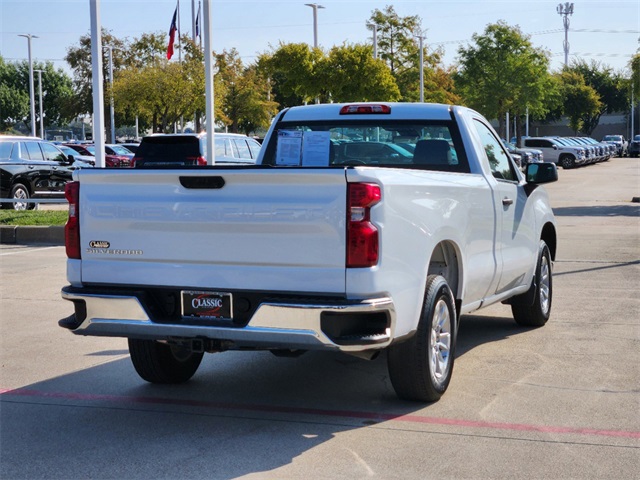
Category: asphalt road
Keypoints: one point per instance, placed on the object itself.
(560, 402)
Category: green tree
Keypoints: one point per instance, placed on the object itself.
(14, 95)
(502, 72)
(79, 59)
(398, 48)
(353, 75)
(611, 88)
(580, 100)
(292, 70)
(57, 95)
(245, 103)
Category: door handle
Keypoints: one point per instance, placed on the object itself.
(506, 201)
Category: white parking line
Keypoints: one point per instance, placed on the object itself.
(27, 250)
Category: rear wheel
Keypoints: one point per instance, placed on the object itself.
(420, 368)
(159, 362)
(536, 315)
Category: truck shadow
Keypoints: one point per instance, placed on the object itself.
(238, 402)
(632, 210)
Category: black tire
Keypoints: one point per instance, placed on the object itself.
(162, 363)
(20, 192)
(532, 309)
(568, 162)
(420, 370)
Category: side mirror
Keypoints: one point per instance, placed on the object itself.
(537, 173)
(71, 159)
(555, 147)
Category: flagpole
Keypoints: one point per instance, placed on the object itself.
(193, 20)
(179, 42)
(208, 75)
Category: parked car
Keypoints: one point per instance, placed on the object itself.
(556, 152)
(190, 149)
(528, 155)
(620, 143)
(89, 160)
(110, 160)
(132, 147)
(119, 150)
(31, 168)
(634, 147)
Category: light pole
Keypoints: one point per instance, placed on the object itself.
(32, 94)
(374, 27)
(111, 107)
(315, 7)
(421, 39)
(565, 10)
(42, 135)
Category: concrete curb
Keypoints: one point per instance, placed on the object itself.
(32, 235)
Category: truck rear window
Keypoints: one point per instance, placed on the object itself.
(397, 144)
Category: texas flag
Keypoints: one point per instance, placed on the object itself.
(172, 34)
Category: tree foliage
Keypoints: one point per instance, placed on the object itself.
(399, 48)
(580, 100)
(610, 87)
(14, 98)
(502, 72)
(57, 94)
(245, 103)
(353, 75)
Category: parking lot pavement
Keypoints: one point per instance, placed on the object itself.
(560, 402)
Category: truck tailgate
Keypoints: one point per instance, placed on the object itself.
(248, 229)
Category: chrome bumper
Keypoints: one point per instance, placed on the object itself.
(273, 326)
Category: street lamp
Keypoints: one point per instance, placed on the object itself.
(42, 135)
(374, 27)
(315, 7)
(32, 94)
(111, 107)
(421, 38)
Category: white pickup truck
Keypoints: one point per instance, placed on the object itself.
(363, 228)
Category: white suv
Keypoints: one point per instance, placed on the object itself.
(553, 151)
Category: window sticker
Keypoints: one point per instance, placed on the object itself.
(289, 148)
(315, 149)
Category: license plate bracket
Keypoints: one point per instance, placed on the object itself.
(206, 305)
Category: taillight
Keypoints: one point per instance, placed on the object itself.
(362, 235)
(364, 109)
(200, 160)
(72, 227)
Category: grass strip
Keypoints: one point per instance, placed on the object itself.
(33, 217)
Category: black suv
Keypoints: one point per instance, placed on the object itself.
(186, 149)
(31, 168)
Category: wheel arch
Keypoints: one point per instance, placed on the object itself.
(22, 181)
(548, 234)
(446, 261)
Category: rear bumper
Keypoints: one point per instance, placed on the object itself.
(354, 326)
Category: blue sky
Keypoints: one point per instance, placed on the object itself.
(604, 31)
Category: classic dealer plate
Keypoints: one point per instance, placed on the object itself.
(206, 305)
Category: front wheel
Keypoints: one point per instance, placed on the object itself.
(536, 314)
(20, 193)
(420, 368)
(568, 162)
(159, 362)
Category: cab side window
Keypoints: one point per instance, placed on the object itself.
(31, 151)
(52, 153)
(498, 158)
(242, 148)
